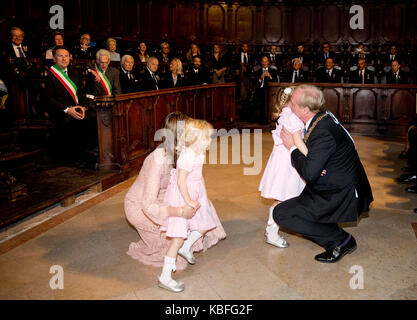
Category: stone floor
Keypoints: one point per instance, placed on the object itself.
(91, 247)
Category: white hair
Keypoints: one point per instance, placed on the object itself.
(102, 52)
(126, 56)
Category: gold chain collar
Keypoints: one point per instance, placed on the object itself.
(312, 126)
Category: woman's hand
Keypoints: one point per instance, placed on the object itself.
(323, 172)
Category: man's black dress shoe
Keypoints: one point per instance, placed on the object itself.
(406, 178)
(412, 189)
(415, 210)
(337, 253)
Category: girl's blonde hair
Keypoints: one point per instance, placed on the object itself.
(282, 99)
(196, 132)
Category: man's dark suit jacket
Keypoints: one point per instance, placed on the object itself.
(302, 76)
(369, 77)
(387, 58)
(322, 76)
(331, 198)
(306, 58)
(168, 82)
(258, 74)
(402, 77)
(321, 59)
(129, 85)
(96, 89)
(87, 54)
(147, 82)
(9, 52)
(197, 78)
(58, 98)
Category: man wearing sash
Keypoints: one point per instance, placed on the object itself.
(340, 195)
(103, 79)
(64, 98)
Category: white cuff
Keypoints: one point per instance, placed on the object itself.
(66, 110)
(293, 148)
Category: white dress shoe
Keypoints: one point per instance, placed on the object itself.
(276, 240)
(187, 256)
(173, 285)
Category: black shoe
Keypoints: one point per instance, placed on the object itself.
(407, 178)
(415, 210)
(412, 189)
(337, 253)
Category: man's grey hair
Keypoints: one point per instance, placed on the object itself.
(150, 60)
(126, 56)
(311, 97)
(102, 52)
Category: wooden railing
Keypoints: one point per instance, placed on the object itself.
(371, 109)
(127, 123)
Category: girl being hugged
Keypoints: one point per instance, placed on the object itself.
(187, 187)
(281, 180)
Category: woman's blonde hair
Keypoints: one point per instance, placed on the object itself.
(175, 122)
(196, 133)
(179, 65)
(281, 100)
(189, 54)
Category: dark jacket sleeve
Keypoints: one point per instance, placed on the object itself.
(321, 146)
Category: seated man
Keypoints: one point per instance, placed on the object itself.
(301, 55)
(103, 79)
(197, 74)
(129, 81)
(149, 79)
(396, 75)
(85, 50)
(74, 125)
(325, 54)
(16, 49)
(362, 75)
(296, 74)
(392, 55)
(329, 73)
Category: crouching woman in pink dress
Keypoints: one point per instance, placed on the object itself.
(145, 210)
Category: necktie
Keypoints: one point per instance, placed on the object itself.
(21, 53)
(396, 77)
(304, 132)
(296, 75)
(128, 76)
(328, 73)
(272, 57)
(245, 58)
(156, 81)
(66, 72)
(362, 76)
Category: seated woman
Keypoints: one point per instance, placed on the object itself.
(145, 210)
(58, 40)
(142, 52)
(174, 77)
(111, 45)
(193, 51)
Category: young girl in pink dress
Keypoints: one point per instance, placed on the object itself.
(187, 187)
(280, 180)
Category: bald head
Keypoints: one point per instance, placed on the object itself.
(153, 64)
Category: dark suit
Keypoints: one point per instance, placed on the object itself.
(89, 53)
(302, 76)
(71, 137)
(128, 84)
(274, 58)
(306, 59)
(9, 52)
(321, 59)
(402, 77)
(323, 77)
(197, 78)
(387, 58)
(168, 81)
(261, 103)
(147, 82)
(369, 77)
(95, 88)
(329, 199)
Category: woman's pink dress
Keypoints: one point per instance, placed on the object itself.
(146, 211)
(177, 227)
(280, 180)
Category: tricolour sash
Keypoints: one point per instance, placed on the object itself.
(65, 81)
(104, 81)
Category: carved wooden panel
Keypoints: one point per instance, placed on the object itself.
(392, 20)
(273, 24)
(73, 16)
(244, 24)
(332, 98)
(362, 35)
(185, 20)
(161, 24)
(216, 21)
(330, 23)
(135, 125)
(402, 103)
(130, 24)
(364, 105)
(100, 17)
(302, 23)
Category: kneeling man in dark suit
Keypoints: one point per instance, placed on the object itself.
(339, 195)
